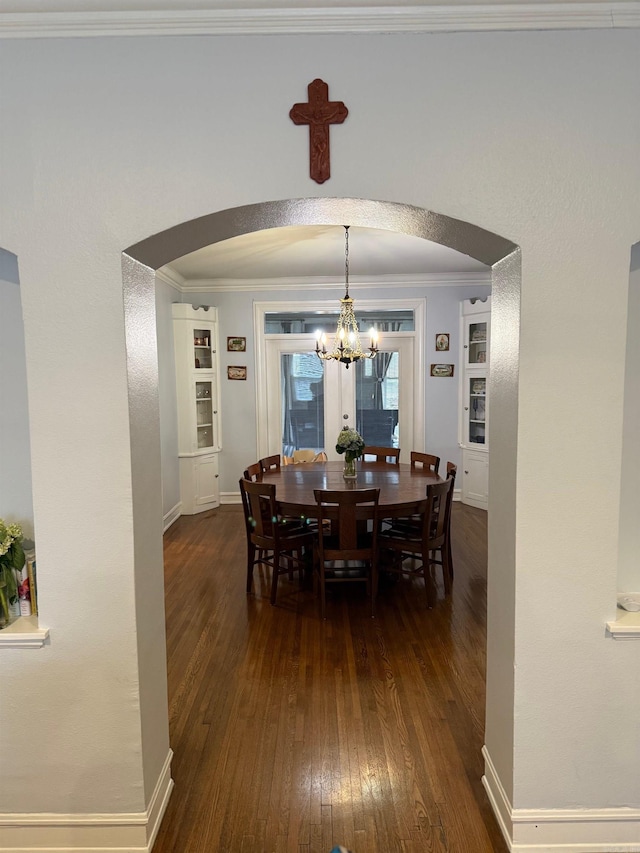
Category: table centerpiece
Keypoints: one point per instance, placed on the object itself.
(351, 443)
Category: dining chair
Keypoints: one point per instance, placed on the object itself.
(383, 454)
(345, 540)
(270, 463)
(304, 455)
(409, 550)
(425, 460)
(446, 554)
(253, 472)
(272, 540)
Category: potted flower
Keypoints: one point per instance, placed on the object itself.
(351, 443)
(11, 560)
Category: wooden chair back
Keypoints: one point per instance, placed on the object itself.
(304, 455)
(270, 463)
(253, 472)
(425, 460)
(354, 507)
(438, 498)
(263, 514)
(383, 454)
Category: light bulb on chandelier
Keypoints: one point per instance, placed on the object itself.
(347, 347)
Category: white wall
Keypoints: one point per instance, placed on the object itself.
(16, 503)
(108, 141)
(629, 555)
(165, 297)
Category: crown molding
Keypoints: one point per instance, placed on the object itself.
(326, 283)
(172, 278)
(421, 18)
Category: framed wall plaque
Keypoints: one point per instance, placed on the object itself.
(442, 341)
(445, 370)
(236, 372)
(236, 344)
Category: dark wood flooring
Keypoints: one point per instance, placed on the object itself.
(294, 734)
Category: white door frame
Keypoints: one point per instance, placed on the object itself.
(267, 410)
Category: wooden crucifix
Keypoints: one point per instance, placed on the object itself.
(319, 113)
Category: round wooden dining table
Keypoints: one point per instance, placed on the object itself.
(399, 484)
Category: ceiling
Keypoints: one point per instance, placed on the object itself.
(318, 251)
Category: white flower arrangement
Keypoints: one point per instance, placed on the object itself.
(351, 443)
(11, 557)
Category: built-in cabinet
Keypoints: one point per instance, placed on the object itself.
(195, 337)
(475, 323)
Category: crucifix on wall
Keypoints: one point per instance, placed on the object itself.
(319, 113)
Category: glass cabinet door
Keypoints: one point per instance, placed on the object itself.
(476, 343)
(202, 349)
(204, 414)
(476, 410)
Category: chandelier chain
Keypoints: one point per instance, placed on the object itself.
(346, 260)
(347, 347)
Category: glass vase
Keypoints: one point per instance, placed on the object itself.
(349, 470)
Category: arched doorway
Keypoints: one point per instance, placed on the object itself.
(139, 264)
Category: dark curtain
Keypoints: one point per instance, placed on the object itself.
(288, 438)
(381, 365)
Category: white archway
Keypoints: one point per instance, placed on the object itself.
(139, 264)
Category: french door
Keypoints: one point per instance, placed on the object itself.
(308, 401)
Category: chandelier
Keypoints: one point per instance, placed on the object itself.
(347, 347)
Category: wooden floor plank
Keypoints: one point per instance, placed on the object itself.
(291, 733)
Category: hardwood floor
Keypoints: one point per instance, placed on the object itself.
(294, 734)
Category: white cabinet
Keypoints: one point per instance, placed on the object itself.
(475, 322)
(195, 338)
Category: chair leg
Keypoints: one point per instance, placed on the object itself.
(374, 587)
(323, 594)
(447, 572)
(274, 576)
(251, 559)
(428, 582)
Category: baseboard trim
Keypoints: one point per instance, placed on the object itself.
(173, 515)
(565, 830)
(227, 498)
(89, 833)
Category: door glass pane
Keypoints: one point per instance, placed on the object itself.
(204, 414)
(296, 323)
(477, 409)
(477, 343)
(377, 389)
(302, 385)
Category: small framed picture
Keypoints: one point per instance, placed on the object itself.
(236, 344)
(442, 369)
(442, 341)
(236, 372)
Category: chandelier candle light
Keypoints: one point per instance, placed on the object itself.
(346, 346)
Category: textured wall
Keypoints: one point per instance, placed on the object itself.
(106, 142)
